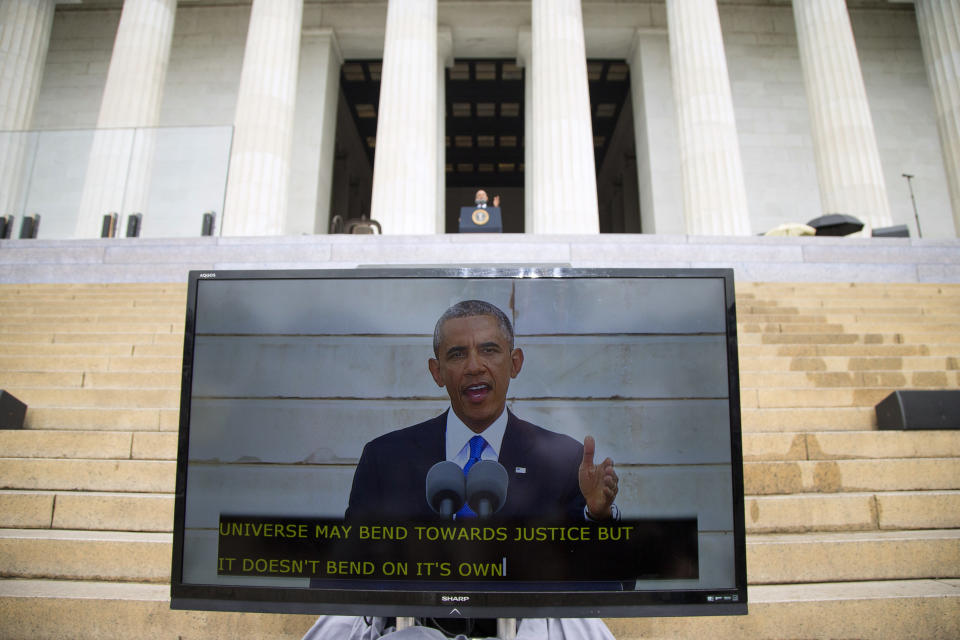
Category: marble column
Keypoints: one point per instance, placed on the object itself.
(315, 124)
(404, 199)
(844, 144)
(118, 172)
(24, 39)
(564, 176)
(525, 60)
(655, 134)
(444, 61)
(714, 192)
(259, 181)
(939, 25)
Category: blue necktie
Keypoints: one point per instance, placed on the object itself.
(477, 444)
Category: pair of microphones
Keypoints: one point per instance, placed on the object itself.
(483, 488)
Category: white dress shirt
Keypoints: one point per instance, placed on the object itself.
(458, 438)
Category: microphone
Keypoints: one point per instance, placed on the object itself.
(487, 487)
(445, 488)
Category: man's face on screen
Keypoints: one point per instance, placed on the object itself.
(475, 363)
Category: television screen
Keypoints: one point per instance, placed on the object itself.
(476, 442)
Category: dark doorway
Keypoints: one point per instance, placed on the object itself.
(356, 139)
(484, 121)
(614, 147)
(484, 138)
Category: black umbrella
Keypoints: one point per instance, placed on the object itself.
(836, 224)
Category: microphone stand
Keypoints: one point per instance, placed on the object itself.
(916, 216)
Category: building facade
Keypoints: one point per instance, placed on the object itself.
(701, 117)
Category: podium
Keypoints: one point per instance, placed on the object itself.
(477, 220)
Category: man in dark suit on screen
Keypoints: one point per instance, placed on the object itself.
(552, 477)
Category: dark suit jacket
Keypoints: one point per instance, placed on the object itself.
(389, 483)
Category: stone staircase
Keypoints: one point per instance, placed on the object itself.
(852, 532)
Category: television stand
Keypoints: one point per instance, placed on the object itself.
(506, 628)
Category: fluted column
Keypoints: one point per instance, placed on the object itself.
(655, 127)
(315, 124)
(525, 60)
(939, 25)
(259, 180)
(844, 144)
(444, 60)
(118, 172)
(404, 199)
(714, 192)
(564, 176)
(24, 39)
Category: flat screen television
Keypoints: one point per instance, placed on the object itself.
(312, 418)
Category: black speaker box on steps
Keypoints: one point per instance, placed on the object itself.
(12, 411)
(920, 409)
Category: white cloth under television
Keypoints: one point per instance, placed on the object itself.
(359, 628)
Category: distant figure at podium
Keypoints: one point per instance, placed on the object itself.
(481, 217)
(480, 200)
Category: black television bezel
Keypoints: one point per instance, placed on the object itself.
(424, 603)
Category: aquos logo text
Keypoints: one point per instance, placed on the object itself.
(208, 275)
(454, 598)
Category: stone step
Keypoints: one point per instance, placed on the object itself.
(133, 380)
(101, 336)
(846, 319)
(799, 513)
(744, 327)
(771, 558)
(86, 326)
(86, 510)
(882, 610)
(169, 398)
(69, 310)
(110, 610)
(850, 445)
(105, 419)
(89, 363)
(841, 379)
(857, 350)
(41, 379)
(803, 419)
(893, 510)
(845, 557)
(898, 298)
(91, 349)
(822, 445)
(847, 289)
(88, 475)
(85, 555)
(748, 380)
(846, 476)
(813, 398)
(852, 297)
(843, 364)
(118, 445)
(100, 398)
(72, 312)
(919, 337)
(760, 478)
(8, 349)
(892, 609)
(165, 350)
(68, 303)
(867, 327)
(832, 307)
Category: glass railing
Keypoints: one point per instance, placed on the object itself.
(71, 179)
